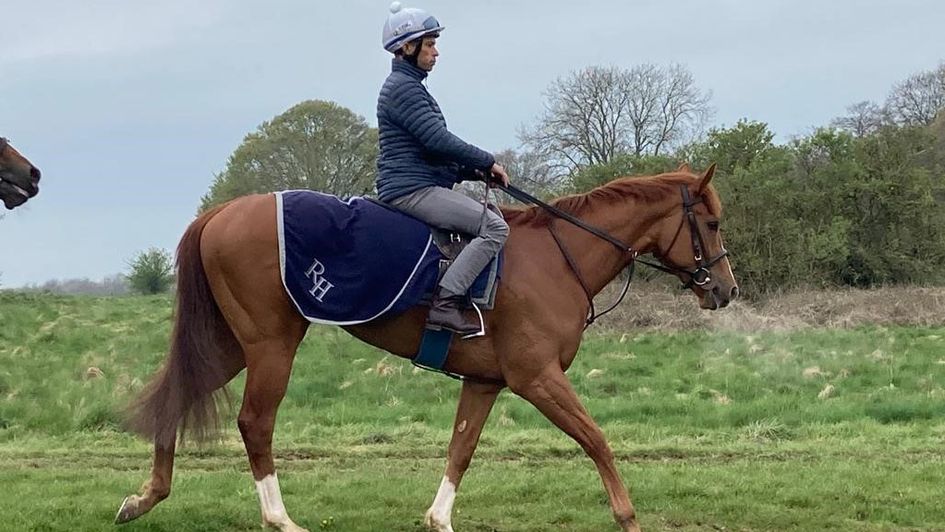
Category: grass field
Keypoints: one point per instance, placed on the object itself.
(807, 429)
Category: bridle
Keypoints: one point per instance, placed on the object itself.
(699, 276)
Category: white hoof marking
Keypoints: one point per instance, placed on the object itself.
(440, 514)
(273, 510)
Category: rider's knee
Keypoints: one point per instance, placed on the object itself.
(497, 229)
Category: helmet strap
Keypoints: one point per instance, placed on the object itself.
(412, 58)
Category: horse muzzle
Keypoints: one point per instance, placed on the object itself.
(718, 297)
(14, 193)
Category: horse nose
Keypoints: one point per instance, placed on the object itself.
(734, 293)
(35, 174)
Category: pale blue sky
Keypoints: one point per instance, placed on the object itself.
(129, 107)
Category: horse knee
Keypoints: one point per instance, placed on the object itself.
(602, 450)
(596, 446)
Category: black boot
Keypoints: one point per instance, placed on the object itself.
(445, 313)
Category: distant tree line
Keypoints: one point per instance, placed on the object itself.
(858, 202)
(111, 285)
(149, 272)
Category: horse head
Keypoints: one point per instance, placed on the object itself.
(689, 242)
(19, 179)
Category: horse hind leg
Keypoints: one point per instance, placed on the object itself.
(158, 486)
(267, 377)
(204, 355)
(554, 396)
(154, 490)
(475, 403)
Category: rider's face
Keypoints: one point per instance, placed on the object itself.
(428, 53)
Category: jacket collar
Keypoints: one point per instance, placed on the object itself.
(415, 72)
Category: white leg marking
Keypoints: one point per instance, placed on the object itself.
(273, 510)
(440, 514)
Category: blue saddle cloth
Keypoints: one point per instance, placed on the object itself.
(350, 261)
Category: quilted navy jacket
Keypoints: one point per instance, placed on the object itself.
(416, 149)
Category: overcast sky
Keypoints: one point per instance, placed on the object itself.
(129, 106)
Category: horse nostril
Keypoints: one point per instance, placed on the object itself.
(35, 174)
(734, 292)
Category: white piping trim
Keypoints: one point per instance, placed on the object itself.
(280, 230)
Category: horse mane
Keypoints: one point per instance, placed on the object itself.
(644, 189)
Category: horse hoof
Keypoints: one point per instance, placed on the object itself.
(434, 526)
(127, 512)
(286, 526)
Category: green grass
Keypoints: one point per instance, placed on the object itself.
(803, 430)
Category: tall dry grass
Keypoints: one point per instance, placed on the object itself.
(656, 306)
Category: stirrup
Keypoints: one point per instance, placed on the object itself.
(482, 324)
(480, 332)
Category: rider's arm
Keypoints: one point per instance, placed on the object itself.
(419, 118)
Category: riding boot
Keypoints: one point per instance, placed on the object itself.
(445, 313)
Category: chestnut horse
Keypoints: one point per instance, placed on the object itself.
(233, 312)
(19, 179)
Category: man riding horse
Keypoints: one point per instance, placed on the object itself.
(420, 160)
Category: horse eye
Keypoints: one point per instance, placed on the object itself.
(714, 226)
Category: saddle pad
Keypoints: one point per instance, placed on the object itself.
(350, 261)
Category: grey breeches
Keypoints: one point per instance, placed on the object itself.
(447, 209)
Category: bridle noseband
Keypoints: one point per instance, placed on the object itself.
(700, 276)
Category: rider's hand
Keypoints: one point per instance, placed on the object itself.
(499, 175)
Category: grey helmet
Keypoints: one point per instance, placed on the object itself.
(405, 24)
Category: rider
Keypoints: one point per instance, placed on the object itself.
(420, 161)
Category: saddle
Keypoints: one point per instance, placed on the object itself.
(451, 244)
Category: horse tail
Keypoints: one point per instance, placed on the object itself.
(183, 393)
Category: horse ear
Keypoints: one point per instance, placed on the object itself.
(684, 168)
(706, 178)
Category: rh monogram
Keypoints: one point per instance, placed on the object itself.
(320, 286)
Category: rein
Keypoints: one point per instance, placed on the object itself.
(698, 277)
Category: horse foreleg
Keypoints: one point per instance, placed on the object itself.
(553, 395)
(475, 403)
(154, 490)
(267, 376)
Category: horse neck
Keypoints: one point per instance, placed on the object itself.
(630, 220)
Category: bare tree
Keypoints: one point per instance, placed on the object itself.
(531, 170)
(682, 108)
(918, 99)
(585, 119)
(596, 113)
(528, 170)
(862, 118)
